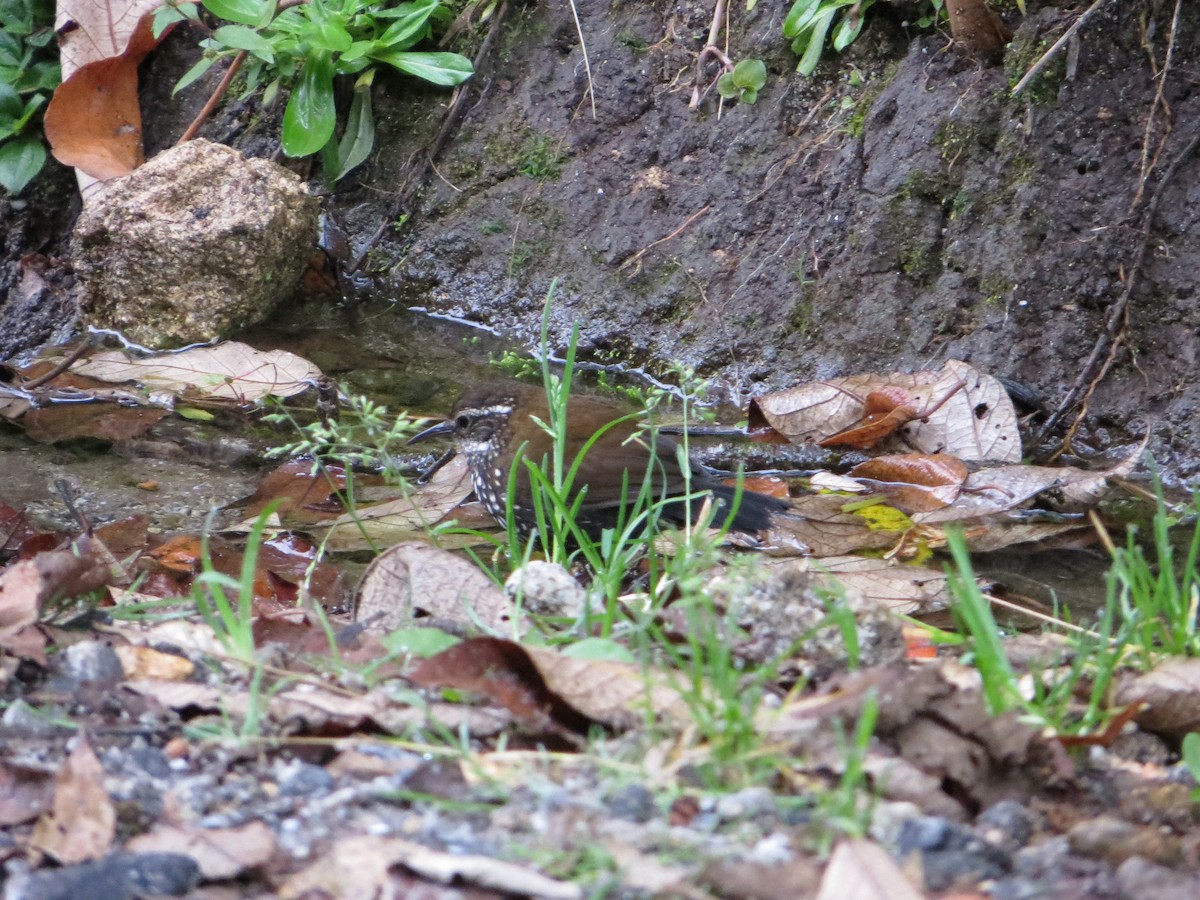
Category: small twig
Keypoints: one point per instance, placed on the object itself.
(71, 358)
(587, 66)
(710, 49)
(637, 256)
(217, 94)
(1148, 164)
(1093, 370)
(1044, 61)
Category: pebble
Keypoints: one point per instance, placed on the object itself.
(28, 721)
(746, 803)
(1007, 825)
(1139, 878)
(301, 779)
(547, 589)
(91, 661)
(1115, 840)
(122, 876)
(632, 802)
(951, 854)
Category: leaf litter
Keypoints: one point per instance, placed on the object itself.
(870, 532)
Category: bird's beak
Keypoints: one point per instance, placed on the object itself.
(432, 431)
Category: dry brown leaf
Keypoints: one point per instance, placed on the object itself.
(614, 693)
(407, 518)
(358, 867)
(1171, 694)
(148, 664)
(83, 822)
(547, 690)
(101, 421)
(24, 794)
(221, 853)
(819, 522)
(230, 370)
(94, 122)
(26, 586)
(977, 27)
(862, 870)
(897, 586)
(976, 422)
(93, 30)
(914, 482)
(416, 576)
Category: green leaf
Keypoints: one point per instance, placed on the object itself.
(445, 69)
(727, 87)
(594, 648)
(412, 24)
(750, 74)
(310, 116)
(193, 414)
(799, 16)
(165, 16)
(20, 160)
(327, 35)
(36, 102)
(44, 75)
(749, 96)
(358, 50)
(247, 12)
(359, 138)
(848, 29)
(418, 641)
(11, 105)
(1191, 754)
(11, 51)
(816, 42)
(206, 63)
(239, 37)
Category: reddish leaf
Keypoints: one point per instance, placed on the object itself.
(93, 121)
(503, 672)
(103, 421)
(83, 823)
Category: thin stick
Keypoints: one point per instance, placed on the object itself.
(710, 49)
(690, 219)
(202, 116)
(1054, 48)
(587, 66)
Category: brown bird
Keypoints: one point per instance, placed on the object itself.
(491, 423)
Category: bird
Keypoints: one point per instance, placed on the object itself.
(493, 422)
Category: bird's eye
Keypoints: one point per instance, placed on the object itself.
(462, 423)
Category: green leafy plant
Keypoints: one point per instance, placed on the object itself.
(304, 47)
(810, 22)
(1191, 759)
(744, 82)
(1159, 596)
(29, 72)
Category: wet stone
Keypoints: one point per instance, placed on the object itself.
(1007, 824)
(91, 661)
(748, 803)
(28, 721)
(632, 802)
(952, 855)
(1139, 878)
(301, 779)
(122, 876)
(147, 761)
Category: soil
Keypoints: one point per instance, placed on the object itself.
(898, 209)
